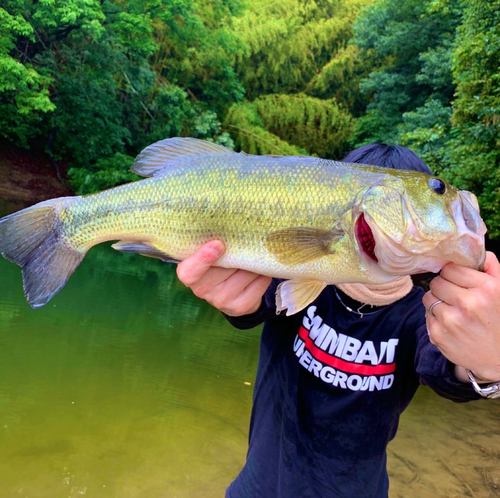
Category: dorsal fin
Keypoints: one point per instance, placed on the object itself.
(164, 153)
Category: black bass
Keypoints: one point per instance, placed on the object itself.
(311, 221)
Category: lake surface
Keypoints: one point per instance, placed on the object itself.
(126, 385)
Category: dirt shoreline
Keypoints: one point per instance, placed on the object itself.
(28, 177)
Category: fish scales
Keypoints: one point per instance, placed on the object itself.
(308, 220)
(239, 201)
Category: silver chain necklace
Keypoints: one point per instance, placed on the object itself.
(356, 312)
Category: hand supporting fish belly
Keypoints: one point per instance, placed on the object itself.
(310, 221)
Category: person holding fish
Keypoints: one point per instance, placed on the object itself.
(333, 380)
(321, 252)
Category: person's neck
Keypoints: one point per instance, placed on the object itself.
(378, 294)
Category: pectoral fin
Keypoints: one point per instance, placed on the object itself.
(295, 295)
(299, 245)
(144, 249)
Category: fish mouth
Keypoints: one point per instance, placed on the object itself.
(468, 247)
(417, 250)
(365, 238)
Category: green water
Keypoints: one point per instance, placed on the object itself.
(125, 385)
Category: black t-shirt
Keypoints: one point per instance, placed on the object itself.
(330, 388)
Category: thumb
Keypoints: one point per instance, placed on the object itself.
(491, 265)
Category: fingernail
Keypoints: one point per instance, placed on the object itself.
(215, 248)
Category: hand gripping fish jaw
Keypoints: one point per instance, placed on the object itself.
(412, 236)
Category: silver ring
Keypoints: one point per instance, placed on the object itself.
(432, 306)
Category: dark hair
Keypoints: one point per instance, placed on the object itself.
(387, 156)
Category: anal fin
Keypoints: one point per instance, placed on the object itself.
(144, 249)
(295, 295)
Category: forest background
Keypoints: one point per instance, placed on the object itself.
(92, 82)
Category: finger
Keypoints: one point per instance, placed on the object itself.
(193, 268)
(256, 288)
(438, 309)
(491, 265)
(428, 299)
(462, 276)
(238, 282)
(211, 280)
(448, 292)
(431, 334)
(250, 298)
(432, 326)
(438, 334)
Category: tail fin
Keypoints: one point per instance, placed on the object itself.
(33, 239)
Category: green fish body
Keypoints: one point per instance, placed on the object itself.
(310, 221)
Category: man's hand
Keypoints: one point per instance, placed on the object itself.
(466, 326)
(234, 292)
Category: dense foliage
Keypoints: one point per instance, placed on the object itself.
(94, 81)
(409, 48)
(435, 86)
(474, 147)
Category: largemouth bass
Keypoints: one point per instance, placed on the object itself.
(313, 222)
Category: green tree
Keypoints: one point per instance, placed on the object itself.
(95, 81)
(291, 124)
(289, 44)
(28, 31)
(197, 50)
(250, 134)
(474, 148)
(320, 127)
(409, 45)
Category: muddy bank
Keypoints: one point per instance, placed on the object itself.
(27, 177)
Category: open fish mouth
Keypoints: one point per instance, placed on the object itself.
(365, 238)
(416, 251)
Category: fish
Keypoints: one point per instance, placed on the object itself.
(309, 221)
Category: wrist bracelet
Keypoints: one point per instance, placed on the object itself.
(490, 391)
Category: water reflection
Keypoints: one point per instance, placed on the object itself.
(125, 385)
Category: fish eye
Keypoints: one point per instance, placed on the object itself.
(437, 185)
